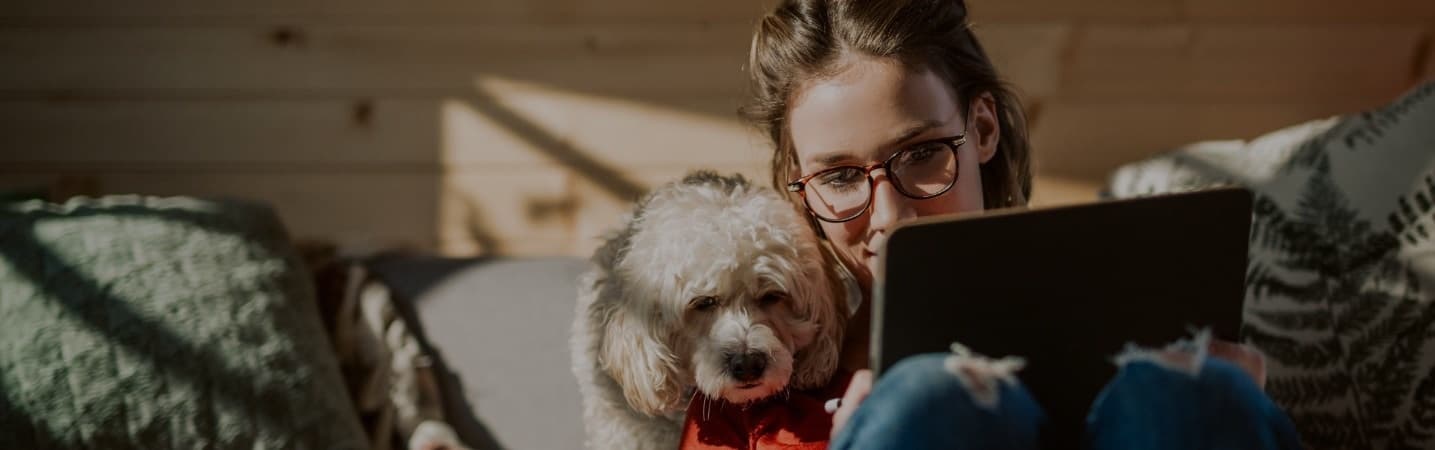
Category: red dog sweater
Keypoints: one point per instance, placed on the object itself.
(792, 421)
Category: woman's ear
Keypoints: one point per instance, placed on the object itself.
(983, 128)
(634, 355)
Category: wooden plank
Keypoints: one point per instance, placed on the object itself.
(639, 62)
(40, 11)
(1027, 10)
(469, 11)
(1246, 62)
(1030, 56)
(331, 133)
(358, 211)
(1307, 11)
(1086, 141)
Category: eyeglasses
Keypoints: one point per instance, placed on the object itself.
(920, 171)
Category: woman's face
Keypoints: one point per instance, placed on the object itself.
(865, 112)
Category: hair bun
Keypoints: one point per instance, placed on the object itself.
(960, 8)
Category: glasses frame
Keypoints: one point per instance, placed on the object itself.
(952, 143)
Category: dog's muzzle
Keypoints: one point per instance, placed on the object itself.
(746, 367)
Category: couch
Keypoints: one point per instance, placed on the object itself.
(109, 335)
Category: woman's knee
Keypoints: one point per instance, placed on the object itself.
(1206, 378)
(954, 380)
(943, 400)
(1209, 404)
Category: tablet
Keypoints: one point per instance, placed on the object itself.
(1065, 288)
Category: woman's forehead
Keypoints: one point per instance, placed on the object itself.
(866, 108)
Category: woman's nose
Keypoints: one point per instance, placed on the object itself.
(888, 205)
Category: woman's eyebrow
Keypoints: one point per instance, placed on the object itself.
(912, 131)
(828, 159)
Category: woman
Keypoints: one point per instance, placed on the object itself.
(881, 111)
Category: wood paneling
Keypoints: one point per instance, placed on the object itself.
(1065, 10)
(527, 127)
(1087, 140)
(1239, 62)
(280, 134)
(518, 125)
(1049, 190)
(1429, 57)
(1311, 11)
(382, 11)
(1028, 55)
(514, 210)
(526, 123)
(645, 63)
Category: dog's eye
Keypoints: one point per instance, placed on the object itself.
(703, 303)
(771, 298)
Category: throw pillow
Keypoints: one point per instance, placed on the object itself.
(1342, 266)
(141, 323)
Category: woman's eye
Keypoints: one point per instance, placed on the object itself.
(841, 178)
(704, 303)
(923, 152)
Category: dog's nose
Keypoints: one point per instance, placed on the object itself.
(747, 367)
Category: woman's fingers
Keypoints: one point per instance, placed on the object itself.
(1248, 359)
(857, 391)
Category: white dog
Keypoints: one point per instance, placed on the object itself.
(713, 284)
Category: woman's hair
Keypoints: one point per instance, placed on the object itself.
(803, 39)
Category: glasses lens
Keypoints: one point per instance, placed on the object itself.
(926, 170)
(838, 194)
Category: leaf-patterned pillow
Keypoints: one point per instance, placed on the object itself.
(1342, 266)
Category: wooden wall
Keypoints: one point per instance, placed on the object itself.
(525, 127)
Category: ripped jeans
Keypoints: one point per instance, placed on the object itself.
(960, 401)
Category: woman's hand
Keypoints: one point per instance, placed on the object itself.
(857, 391)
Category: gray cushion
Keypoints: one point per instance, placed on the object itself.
(1339, 283)
(143, 323)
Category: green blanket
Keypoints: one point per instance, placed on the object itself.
(148, 323)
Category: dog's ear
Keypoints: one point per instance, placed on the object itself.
(642, 363)
(821, 300)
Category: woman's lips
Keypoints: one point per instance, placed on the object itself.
(873, 263)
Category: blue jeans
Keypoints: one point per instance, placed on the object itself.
(920, 404)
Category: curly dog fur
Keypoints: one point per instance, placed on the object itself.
(713, 284)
